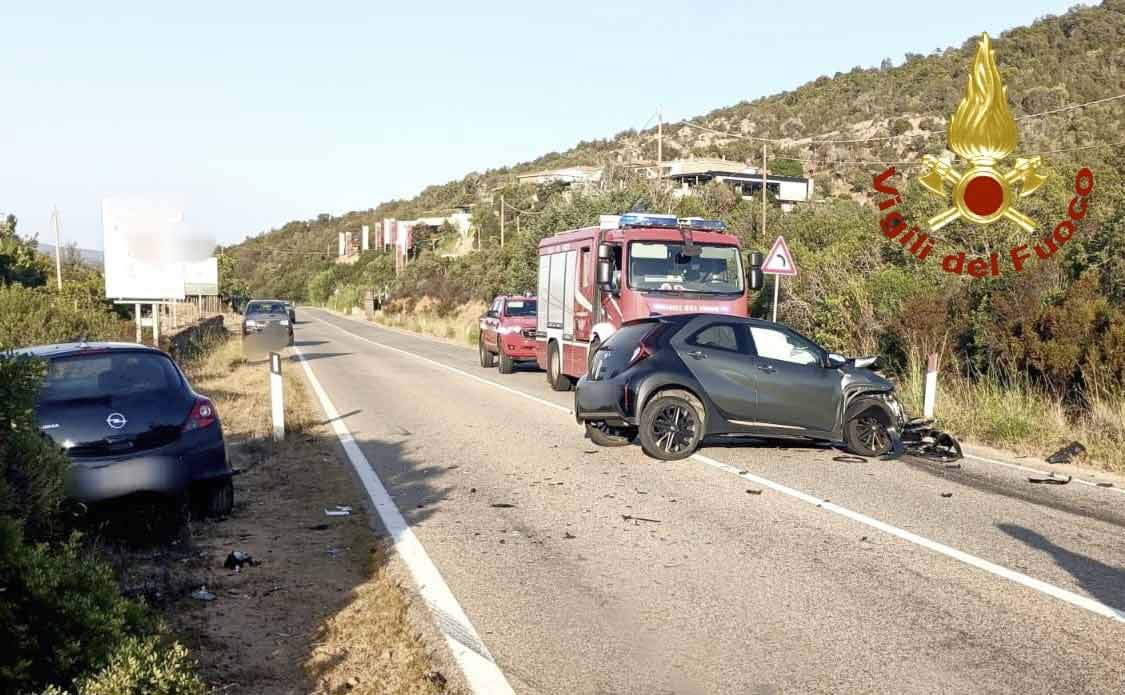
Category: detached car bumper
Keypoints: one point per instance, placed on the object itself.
(602, 400)
(165, 471)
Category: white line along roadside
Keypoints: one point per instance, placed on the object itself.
(961, 556)
(1040, 472)
(481, 671)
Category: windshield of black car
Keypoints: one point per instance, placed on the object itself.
(266, 308)
(520, 307)
(108, 374)
(663, 267)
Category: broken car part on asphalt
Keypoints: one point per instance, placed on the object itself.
(1067, 454)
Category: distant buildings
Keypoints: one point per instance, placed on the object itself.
(582, 175)
(398, 235)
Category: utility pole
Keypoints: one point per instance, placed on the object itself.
(776, 278)
(501, 220)
(659, 140)
(58, 247)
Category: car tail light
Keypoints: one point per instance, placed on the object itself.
(203, 414)
(647, 346)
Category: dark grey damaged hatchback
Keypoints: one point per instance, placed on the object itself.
(673, 380)
(130, 423)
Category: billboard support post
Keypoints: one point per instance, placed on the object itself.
(140, 331)
(156, 325)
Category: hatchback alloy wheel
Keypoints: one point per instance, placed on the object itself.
(671, 427)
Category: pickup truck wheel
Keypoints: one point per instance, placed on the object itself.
(606, 435)
(555, 377)
(671, 426)
(507, 364)
(487, 359)
(866, 433)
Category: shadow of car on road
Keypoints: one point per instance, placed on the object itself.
(1104, 582)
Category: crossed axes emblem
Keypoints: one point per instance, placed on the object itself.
(982, 194)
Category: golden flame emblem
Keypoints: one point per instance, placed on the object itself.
(983, 132)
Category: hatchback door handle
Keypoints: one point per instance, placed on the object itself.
(768, 368)
(698, 354)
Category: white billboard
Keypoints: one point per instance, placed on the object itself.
(202, 277)
(146, 244)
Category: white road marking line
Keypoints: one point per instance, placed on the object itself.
(482, 673)
(961, 556)
(462, 372)
(1040, 472)
(991, 567)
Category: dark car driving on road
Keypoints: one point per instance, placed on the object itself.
(130, 423)
(267, 316)
(673, 380)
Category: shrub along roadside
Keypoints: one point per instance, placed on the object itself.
(64, 620)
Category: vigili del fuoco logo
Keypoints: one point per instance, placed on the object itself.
(983, 133)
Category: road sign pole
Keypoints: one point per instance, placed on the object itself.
(776, 285)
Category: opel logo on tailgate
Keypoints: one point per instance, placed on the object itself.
(116, 421)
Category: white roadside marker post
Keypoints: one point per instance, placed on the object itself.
(931, 386)
(277, 397)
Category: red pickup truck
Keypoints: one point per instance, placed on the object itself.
(507, 330)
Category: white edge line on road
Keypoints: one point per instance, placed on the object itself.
(482, 673)
(961, 556)
(1040, 472)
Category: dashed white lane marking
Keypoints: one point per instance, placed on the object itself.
(482, 673)
(1041, 472)
(961, 556)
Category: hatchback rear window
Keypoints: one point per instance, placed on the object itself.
(266, 308)
(106, 374)
(629, 336)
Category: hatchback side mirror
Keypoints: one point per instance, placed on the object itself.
(836, 361)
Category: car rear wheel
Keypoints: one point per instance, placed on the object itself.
(507, 364)
(487, 359)
(606, 435)
(866, 433)
(555, 376)
(217, 498)
(671, 426)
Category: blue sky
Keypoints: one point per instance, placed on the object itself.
(263, 112)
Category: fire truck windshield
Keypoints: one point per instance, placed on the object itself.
(657, 266)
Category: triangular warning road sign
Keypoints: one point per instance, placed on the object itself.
(779, 261)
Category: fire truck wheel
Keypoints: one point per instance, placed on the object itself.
(507, 364)
(606, 435)
(594, 345)
(555, 377)
(487, 359)
(671, 426)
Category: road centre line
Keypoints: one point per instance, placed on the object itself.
(481, 671)
(1051, 590)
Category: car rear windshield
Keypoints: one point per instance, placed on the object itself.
(266, 308)
(521, 307)
(627, 337)
(108, 374)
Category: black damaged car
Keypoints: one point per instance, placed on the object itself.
(131, 424)
(671, 381)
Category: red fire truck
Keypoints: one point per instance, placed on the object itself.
(591, 280)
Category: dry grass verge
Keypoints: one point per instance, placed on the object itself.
(320, 613)
(462, 325)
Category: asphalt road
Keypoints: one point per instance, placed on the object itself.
(874, 582)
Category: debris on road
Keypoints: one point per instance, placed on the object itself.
(1104, 484)
(1050, 480)
(338, 510)
(237, 559)
(436, 678)
(947, 494)
(502, 505)
(568, 535)
(849, 458)
(920, 438)
(318, 527)
(1067, 454)
(753, 491)
(635, 519)
(203, 594)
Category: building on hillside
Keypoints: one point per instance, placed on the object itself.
(571, 176)
(398, 235)
(351, 244)
(688, 174)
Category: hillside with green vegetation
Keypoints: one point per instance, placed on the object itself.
(1040, 353)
